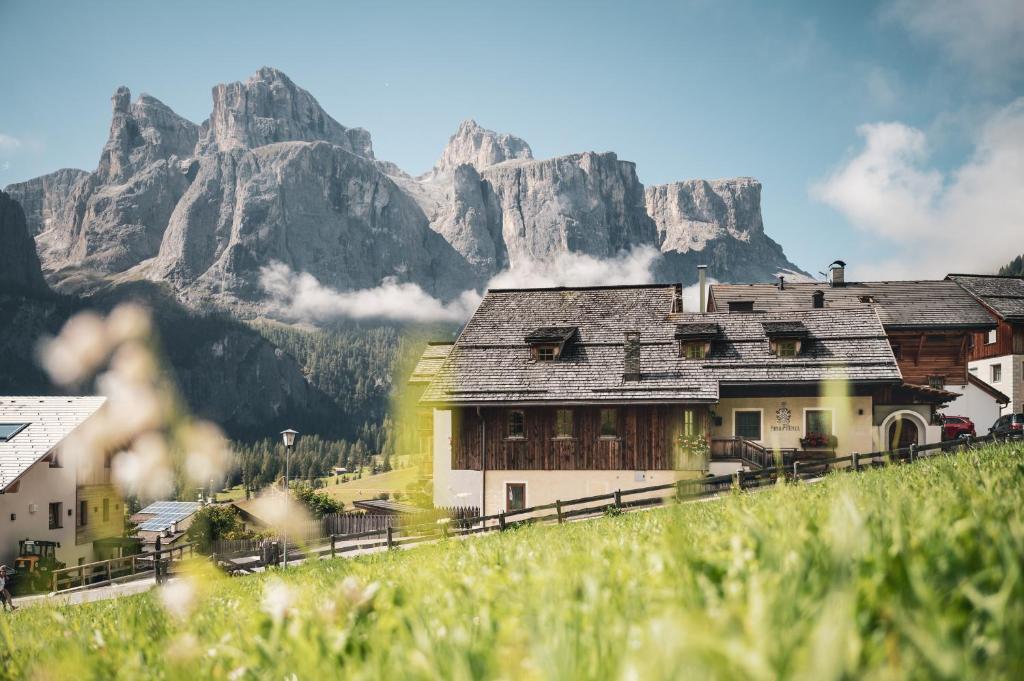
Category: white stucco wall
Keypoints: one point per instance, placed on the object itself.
(975, 404)
(1012, 383)
(545, 487)
(451, 488)
(851, 420)
(38, 487)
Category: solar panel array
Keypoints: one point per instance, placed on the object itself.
(166, 513)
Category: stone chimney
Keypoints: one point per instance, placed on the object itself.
(838, 271)
(631, 362)
(818, 299)
(702, 282)
(677, 298)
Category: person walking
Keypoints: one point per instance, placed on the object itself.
(5, 595)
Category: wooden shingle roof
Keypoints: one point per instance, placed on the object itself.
(49, 419)
(430, 361)
(491, 362)
(1003, 295)
(901, 305)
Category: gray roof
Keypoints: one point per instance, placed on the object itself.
(901, 305)
(49, 419)
(161, 515)
(1004, 295)
(491, 363)
(430, 361)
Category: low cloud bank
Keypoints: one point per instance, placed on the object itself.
(299, 296)
(967, 220)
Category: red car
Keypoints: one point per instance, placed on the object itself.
(954, 427)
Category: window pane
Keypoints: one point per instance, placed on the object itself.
(785, 348)
(695, 351)
(819, 421)
(563, 423)
(609, 422)
(9, 430)
(516, 424)
(545, 354)
(748, 425)
(515, 496)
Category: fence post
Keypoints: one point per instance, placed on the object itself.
(109, 578)
(53, 577)
(796, 470)
(558, 510)
(333, 540)
(501, 521)
(391, 540)
(912, 449)
(81, 575)
(618, 498)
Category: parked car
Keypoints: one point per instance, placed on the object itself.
(957, 426)
(1011, 424)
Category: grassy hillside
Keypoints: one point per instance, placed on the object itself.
(907, 572)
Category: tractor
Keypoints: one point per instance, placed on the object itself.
(35, 564)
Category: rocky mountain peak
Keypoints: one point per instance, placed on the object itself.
(141, 133)
(479, 147)
(269, 108)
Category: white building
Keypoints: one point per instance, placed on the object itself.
(45, 496)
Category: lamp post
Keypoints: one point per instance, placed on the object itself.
(288, 436)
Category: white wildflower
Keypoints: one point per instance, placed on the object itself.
(277, 598)
(77, 351)
(128, 321)
(206, 452)
(178, 597)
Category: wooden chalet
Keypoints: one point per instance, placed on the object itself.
(566, 392)
(997, 355)
(931, 327)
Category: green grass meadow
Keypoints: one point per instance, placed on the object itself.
(912, 571)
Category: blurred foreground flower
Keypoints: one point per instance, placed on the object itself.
(144, 431)
(277, 599)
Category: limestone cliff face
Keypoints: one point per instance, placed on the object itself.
(717, 223)
(19, 265)
(270, 108)
(44, 198)
(315, 207)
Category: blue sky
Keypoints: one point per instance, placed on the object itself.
(871, 126)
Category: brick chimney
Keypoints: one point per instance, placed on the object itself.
(631, 362)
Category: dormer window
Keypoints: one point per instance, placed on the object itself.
(741, 306)
(549, 343)
(695, 350)
(785, 338)
(695, 339)
(787, 347)
(9, 430)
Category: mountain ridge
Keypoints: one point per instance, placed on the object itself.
(271, 176)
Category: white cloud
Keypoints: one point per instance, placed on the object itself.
(9, 144)
(931, 223)
(577, 269)
(300, 297)
(987, 36)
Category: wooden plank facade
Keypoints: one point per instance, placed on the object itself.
(925, 358)
(648, 438)
(1009, 341)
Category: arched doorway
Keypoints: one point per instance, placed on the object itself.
(903, 432)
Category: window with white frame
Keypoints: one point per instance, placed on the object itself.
(997, 373)
(818, 422)
(993, 335)
(747, 424)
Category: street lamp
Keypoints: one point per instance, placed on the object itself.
(288, 436)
